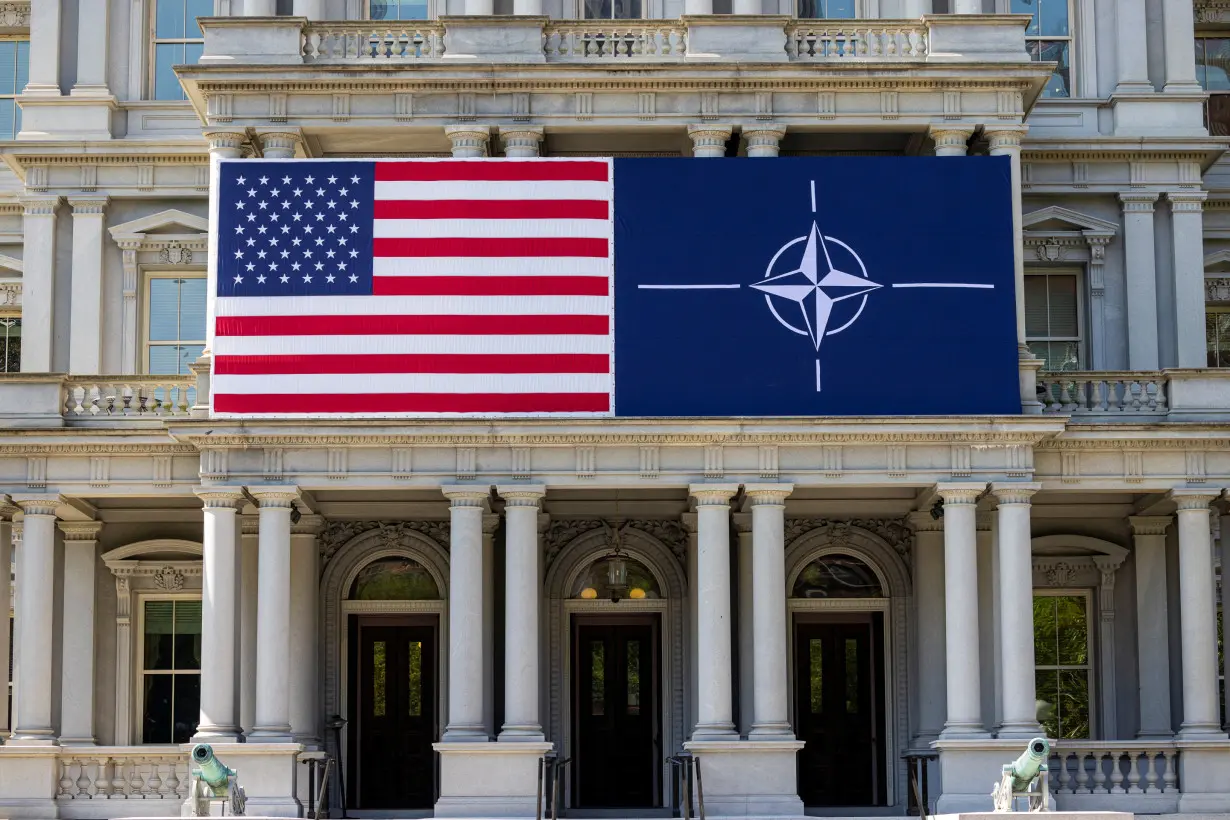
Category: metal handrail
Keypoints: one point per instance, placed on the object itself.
(688, 766)
(549, 767)
(319, 764)
(916, 764)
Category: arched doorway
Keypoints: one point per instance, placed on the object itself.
(848, 589)
(384, 594)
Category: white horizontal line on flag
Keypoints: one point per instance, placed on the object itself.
(323, 306)
(400, 345)
(491, 228)
(357, 383)
(490, 266)
(493, 190)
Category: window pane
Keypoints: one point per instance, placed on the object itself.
(809, 9)
(1054, 14)
(816, 650)
(164, 310)
(192, 298)
(380, 663)
(627, 9)
(634, 677)
(1073, 704)
(159, 634)
(8, 119)
(170, 21)
(156, 718)
(204, 8)
(597, 678)
(412, 10)
(1046, 686)
(1210, 339)
(1071, 631)
(1213, 62)
(597, 9)
(1036, 309)
(1028, 7)
(1062, 293)
(416, 679)
(383, 10)
(187, 634)
(163, 360)
(8, 67)
(192, 53)
(23, 65)
(834, 9)
(10, 345)
(187, 707)
(166, 84)
(852, 704)
(1053, 51)
(1045, 648)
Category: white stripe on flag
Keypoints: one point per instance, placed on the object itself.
(425, 345)
(326, 306)
(491, 228)
(491, 266)
(451, 189)
(360, 383)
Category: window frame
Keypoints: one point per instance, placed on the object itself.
(8, 316)
(138, 714)
(152, 38)
(1209, 308)
(1005, 7)
(1082, 330)
(1091, 668)
(16, 38)
(148, 277)
(860, 11)
(431, 12)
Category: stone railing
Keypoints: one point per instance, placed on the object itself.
(580, 40)
(372, 41)
(1140, 776)
(1104, 393)
(105, 773)
(128, 397)
(870, 40)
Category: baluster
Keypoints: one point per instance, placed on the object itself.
(1163, 403)
(622, 45)
(83, 778)
(1151, 390)
(1135, 772)
(875, 43)
(918, 42)
(1170, 778)
(1136, 389)
(102, 783)
(1116, 773)
(1150, 759)
(1099, 773)
(1064, 783)
(1082, 396)
(1082, 774)
(1065, 396)
(1097, 396)
(135, 782)
(155, 779)
(173, 780)
(66, 781)
(890, 43)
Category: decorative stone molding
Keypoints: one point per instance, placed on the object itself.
(280, 144)
(764, 139)
(175, 253)
(468, 140)
(709, 140)
(10, 294)
(14, 15)
(521, 140)
(1187, 201)
(392, 533)
(1212, 11)
(89, 206)
(670, 532)
(169, 578)
(896, 532)
(951, 140)
(1217, 290)
(40, 205)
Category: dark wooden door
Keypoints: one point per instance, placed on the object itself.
(837, 712)
(615, 716)
(393, 682)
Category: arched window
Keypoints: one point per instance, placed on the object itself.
(595, 582)
(837, 576)
(394, 579)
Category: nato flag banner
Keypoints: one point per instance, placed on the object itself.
(814, 286)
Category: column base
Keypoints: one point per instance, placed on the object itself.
(271, 734)
(771, 731)
(527, 733)
(747, 778)
(465, 734)
(1023, 730)
(1202, 767)
(31, 778)
(33, 737)
(78, 741)
(489, 779)
(1200, 731)
(964, 731)
(218, 734)
(715, 732)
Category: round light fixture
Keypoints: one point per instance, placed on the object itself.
(589, 593)
(636, 593)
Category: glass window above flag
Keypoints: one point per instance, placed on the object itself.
(572, 287)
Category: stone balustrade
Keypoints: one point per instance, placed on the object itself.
(812, 40)
(1140, 776)
(130, 773)
(580, 40)
(376, 42)
(128, 397)
(1104, 393)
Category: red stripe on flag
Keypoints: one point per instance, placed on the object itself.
(491, 171)
(528, 325)
(501, 246)
(492, 209)
(491, 286)
(414, 363)
(283, 403)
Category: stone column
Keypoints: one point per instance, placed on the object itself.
(491, 523)
(698, 6)
(1016, 610)
(1187, 220)
(85, 335)
(522, 140)
(747, 7)
(480, 7)
(249, 529)
(219, 615)
(916, 8)
(35, 621)
(967, 6)
(929, 625)
(763, 139)
(259, 8)
(964, 677)
(746, 628)
(92, 43)
(223, 144)
(951, 141)
(1141, 278)
(1152, 626)
(708, 140)
(465, 614)
(304, 642)
(522, 595)
(7, 511)
(77, 631)
(532, 7)
(469, 140)
(38, 284)
(1131, 47)
(714, 704)
(279, 143)
(1178, 23)
(273, 614)
(1198, 616)
(771, 719)
(45, 59)
(311, 9)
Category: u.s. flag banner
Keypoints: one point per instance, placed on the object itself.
(614, 287)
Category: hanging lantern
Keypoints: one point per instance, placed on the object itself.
(616, 575)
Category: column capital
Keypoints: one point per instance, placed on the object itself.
(529, 495)
(763, 138)
(220, 497)
(1012, 492)
(1150, 524)
(278, 140)
(709, 140)
(36, 205)
(767, 495)
(92, 205)
(467, 495)
(1138, 201)
(7, 508)
(924, 521)
(951, 140)
(468, 140)
(1194, 498)
(713, 495)
(960, 492)
(226, 142)
(80, 530)
(274, 497)
(41, 504)
(1187, 201)
(521, 140)
(1005, 137)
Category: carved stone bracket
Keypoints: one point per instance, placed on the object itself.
(894, 531)
(1212, 11)
(15, 15)
(337, 533)
(560, 533)
(1217, 290)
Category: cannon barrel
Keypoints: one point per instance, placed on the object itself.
(1026, 767)
(212, 770)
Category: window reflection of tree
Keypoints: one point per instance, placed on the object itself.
(10, 345)
(837, 576)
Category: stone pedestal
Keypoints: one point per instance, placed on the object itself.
(749, 778)
(489, 779)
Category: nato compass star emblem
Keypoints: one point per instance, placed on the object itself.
(811, 294)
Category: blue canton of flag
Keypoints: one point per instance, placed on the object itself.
(289, 228)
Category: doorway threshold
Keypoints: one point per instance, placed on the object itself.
(389, 814)
(614, 814)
